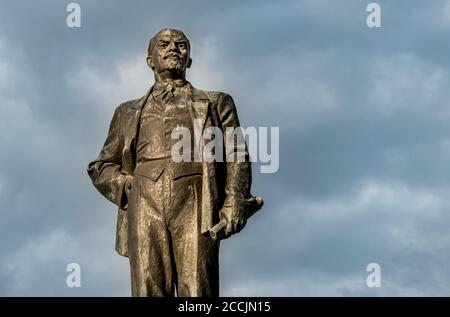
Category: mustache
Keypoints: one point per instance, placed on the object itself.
(172, 55)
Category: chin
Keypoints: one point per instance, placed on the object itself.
(178, 67)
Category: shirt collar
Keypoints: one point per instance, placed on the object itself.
(164, 86)
(164, 91)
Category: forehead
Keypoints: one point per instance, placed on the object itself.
(167, 35)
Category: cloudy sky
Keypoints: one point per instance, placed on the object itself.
(364, 140)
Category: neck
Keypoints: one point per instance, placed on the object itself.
(170, 78)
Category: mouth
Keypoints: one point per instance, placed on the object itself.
(172, 57)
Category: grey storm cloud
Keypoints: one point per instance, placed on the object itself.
(364, 140)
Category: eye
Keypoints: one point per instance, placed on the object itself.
(162, 45)
(182, 45)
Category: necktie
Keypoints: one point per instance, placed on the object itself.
(163, 92)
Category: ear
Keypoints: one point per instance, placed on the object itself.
(150, 62)
(189, 63)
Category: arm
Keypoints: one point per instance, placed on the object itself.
(239, 178)
(106, 171)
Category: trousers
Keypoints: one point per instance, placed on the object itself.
(167, 252)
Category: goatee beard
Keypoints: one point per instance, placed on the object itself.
(177, 67)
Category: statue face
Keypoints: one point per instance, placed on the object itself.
(170, 52)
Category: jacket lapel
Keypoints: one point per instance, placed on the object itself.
(199, 106)
(132, 124)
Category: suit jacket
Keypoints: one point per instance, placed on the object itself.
(224, 183)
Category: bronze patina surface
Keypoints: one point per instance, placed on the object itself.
(171, 213)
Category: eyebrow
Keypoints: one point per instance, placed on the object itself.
(177, 41)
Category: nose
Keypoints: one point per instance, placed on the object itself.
(173, 46)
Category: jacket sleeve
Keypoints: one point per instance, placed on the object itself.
(239, 177)
(106, 171)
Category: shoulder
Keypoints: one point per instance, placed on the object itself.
(215, 97)
(123, 110)
(124, 106)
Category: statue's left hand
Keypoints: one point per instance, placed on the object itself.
(235, 217)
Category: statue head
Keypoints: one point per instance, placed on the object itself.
(169, 54)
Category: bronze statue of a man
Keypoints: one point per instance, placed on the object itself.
(167, 207)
